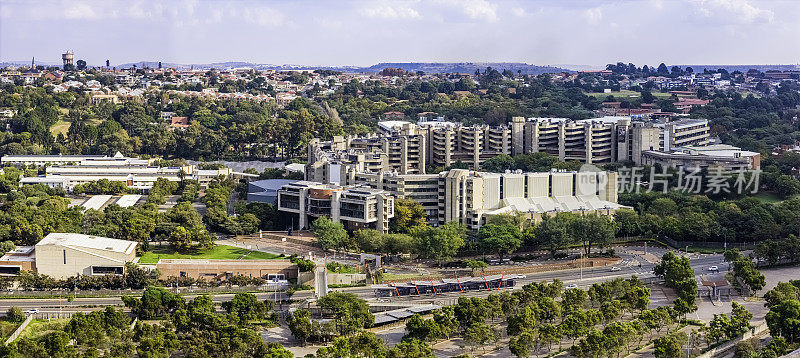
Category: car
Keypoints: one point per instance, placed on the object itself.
(713, 268)
(615, 268)
(32, 311)
(572, 285)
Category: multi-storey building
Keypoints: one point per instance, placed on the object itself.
(407, 148)
(470, 197)
(69, 171)
(422, 188)
(357, 207)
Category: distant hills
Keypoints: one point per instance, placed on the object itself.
(427, 67)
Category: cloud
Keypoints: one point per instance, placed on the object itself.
(733, 11)
(593, 15)
(80, 11)
(264, 16)
(518, 11)
(479, 9)
(387, 11)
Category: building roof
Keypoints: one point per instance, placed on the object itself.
(128, 200)
(81, 241)
(270, 184)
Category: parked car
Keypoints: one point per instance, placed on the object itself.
(572, 285)
(615, 268)
(32, 311)
(713, 268)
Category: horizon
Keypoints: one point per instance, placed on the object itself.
(363, 33)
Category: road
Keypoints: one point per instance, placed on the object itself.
(582, 278)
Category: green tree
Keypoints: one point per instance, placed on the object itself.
(245, 307)
(351, 314)
(15, 314)
(593, 230)
(329, 234)
(299, 324)
(669, 346)
(783, 320)
(501, 239)
(553, 232)
(746, 273)
(440, 243)
(409, 216)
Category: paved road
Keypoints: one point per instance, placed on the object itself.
(582, 278)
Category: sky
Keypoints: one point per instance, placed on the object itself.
(366, 32)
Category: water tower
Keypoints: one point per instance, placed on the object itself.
(67, 58)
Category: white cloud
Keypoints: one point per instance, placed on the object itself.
(479, 9)
(80, 11)
(264, 16)
(733, 11)
(518, 11)
(593, 15)
(387, 11)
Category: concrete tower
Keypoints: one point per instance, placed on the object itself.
(67, 58)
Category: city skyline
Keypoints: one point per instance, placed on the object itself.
(362, 33)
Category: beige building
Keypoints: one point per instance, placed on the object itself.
(407, 148)
(357, 207)
(725, 156)
(62, 255)
(470, 197)
(222, 270)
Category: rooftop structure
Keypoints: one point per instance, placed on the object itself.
(62, 255)
(356, 207)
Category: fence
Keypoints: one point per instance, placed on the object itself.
(574, 264)
(722, 349)
(268, 287)
(19, 329)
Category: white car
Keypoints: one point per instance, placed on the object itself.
(615, 268)
(32, 311)
(713, 268)
(572, 285)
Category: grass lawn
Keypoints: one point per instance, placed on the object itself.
(7, 327)
(219, 252)
(39, 327)
(625, 94)
(768, 197)
(60, 127)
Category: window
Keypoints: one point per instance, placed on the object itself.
(65, 257)
(107, 270)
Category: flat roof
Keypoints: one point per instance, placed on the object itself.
(88, 241)
(128, 200)
(96, 202)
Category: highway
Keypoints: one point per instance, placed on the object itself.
(581, 278)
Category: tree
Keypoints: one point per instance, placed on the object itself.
(300, 325)
(783, 320)
(409, 216)
(329, 234)
(475, 265)
(411, 349)
(478, 334)
(553, 232)
(245, 307)
(351, 314)
(745, 272)
(500, 239)
(80, 65)
(442, 242)
(499, 164)
(669, 346)
(422, 329)
(15, 314)
(593, 230)
(782, 291)
(522, 345)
